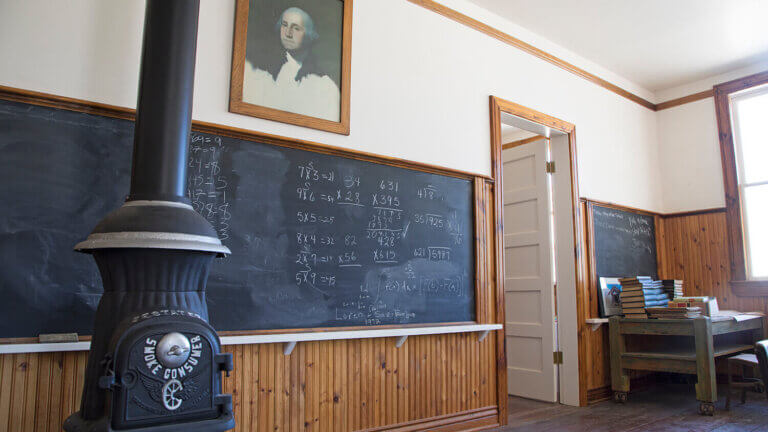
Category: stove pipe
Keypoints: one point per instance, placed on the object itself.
(153, 254)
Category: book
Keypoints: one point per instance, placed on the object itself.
(653, 297)
(707, 304)
(674, 312)
(640, 292)
(658, 303)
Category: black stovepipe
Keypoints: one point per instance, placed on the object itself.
(154, 252)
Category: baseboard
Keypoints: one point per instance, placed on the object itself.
(471, 420)
(605, 393)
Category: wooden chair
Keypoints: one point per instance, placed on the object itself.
(757, 361)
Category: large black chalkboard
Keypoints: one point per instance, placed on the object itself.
(317, 240)
(624, 242)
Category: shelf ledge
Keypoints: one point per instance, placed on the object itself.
(289, 339)
(596, 322)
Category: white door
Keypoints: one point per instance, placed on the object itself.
(528, 285)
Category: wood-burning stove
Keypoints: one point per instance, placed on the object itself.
(155, 362)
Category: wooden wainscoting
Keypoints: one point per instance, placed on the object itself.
(342, 385)
(696, 250)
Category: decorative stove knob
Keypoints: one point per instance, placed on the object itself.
(173, 350)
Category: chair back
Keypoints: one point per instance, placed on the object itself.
(761, 350)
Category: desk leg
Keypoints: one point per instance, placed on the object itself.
(619, 376)
(706, 385)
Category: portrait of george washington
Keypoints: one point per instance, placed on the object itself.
(293, 57)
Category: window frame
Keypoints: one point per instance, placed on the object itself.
(740, 284)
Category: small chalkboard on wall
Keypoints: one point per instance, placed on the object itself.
(622, 243)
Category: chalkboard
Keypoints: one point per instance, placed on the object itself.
(624, 242)
(317, 240)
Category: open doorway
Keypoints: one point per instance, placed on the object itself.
(534, 166)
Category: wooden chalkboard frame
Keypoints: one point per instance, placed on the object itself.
(592, 258)
(485, 271)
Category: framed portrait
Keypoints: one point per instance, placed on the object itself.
(291, 62)
(610, 297)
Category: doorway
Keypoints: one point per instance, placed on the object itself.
(536, 206)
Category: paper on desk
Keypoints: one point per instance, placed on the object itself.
(727, 315)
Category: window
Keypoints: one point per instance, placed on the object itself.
(742, 111)
(749, 111)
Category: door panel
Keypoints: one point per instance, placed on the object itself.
(528, 287)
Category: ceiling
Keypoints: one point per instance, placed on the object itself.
(657, 44)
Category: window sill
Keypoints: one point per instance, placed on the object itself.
(750, 288)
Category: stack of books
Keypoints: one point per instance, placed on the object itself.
(673, 287)
(708, 305)
(639, 293)
(674, 312)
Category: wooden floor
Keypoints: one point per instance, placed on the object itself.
(667, 408)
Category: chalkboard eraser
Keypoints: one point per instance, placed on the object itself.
(58, 337)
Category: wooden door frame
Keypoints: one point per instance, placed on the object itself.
(497, 107)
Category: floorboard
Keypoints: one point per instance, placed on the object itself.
(661, 408)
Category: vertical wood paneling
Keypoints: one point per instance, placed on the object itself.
(350, 385)
(699, 254)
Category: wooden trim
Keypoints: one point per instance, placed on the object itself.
(480, 418)
(619, 207)
(528, 48)
(497, 106)
(532, 115)
(653, 213)
(238, 106)
(543, 55)
(694, 212)
(750, 288)
(604, 393)
(685, 99)
(730, 180)
(80, 105)
(513, 144)
(743, 83)
(497, 233)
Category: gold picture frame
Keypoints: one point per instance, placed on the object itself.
(277, 65)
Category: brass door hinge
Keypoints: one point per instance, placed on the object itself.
(550, 167)
(557, 357)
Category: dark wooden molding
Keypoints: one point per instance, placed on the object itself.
(728, 160)
(619, 206)
(530, 49)
(476, 419)
(547, 57)
(750, 288)
(653, 213)
(80, 105)
(497, 234)
(512, 144)
(238, 106)
(694, 212)
(685, 99)
(600, 394)
(497, 106)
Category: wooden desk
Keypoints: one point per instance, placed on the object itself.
(688, 346)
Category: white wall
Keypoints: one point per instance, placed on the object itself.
(420, 84)
(689, 156)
